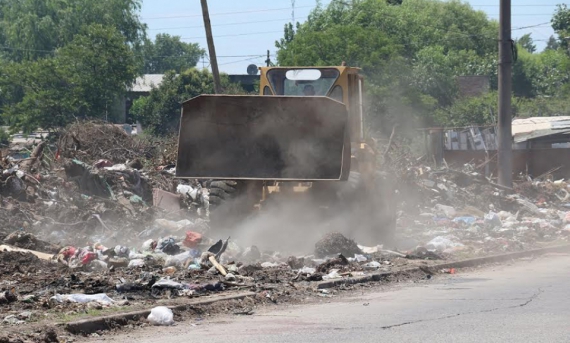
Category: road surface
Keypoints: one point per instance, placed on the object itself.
(525, 301)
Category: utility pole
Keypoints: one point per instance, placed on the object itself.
(268, 60)
(505, 85)
(211, 48)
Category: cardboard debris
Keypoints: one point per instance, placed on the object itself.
(41, 255)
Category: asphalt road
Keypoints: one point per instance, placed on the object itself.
(525, 301)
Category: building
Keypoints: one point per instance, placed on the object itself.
(541, 145)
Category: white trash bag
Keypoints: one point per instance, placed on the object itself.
(161, 315)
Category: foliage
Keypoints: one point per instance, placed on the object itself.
(561, 25)
(411, 54)
(159, 113)
(4, 137)
(552, 44)
(80, 81)
(169, 53)
(66, 59)
(33, 29)
(526, 42)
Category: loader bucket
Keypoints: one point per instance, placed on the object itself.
(262, 138)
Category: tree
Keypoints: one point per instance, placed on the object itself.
(561, 24)
(80, 81)
(33, 29)
(410, 53)
(170, 53)
(552, 44)
(527, 43)
(159, 112)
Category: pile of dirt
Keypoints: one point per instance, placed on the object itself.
(26, 240)
(335, 243)
(20, 262)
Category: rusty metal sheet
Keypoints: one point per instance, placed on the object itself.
(262, 137)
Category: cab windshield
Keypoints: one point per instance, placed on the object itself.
(302, 82)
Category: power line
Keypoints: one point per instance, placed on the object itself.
(136, 55)
(229, 13)
(531, 26)
(245, 60)
(515, 5)
(235, 35)
(228, 24)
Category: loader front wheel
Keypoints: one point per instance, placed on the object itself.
(231, 202)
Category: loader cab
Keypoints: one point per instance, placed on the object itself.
(343, 84)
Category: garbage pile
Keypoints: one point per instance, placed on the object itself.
(95, 184)
(461, 213)
(76, 280)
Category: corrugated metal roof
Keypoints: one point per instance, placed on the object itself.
(530, 128)
(145, 83)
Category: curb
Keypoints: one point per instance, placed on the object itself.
(91, 325)
(457, 264)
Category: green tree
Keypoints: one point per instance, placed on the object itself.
(32, 29)
(561, 25)
(552, 44)
(526, 42)
(159, 112)
(80, 81)
(410, 53)
(170, 53)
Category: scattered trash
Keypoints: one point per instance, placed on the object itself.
(161, 315)
(333, 274)
(101, 298)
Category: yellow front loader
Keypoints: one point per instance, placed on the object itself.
(303, 136)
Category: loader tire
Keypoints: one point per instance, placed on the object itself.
(230, 203)
(221, 190)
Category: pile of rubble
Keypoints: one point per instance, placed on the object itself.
(462, 213)
(65, 206)
(96, 183)
(97, 220)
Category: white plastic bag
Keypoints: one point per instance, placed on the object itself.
(161, 315)
(307, 270)
(178, 260)
(83, 298)
(138, 262)
(360, 258)
(333, 274)
(372, 265)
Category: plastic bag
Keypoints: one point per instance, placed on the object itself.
(442, 243)
(178, 260)
(98, 265)
(360, 258)
(136, 263)
(307, 270)
(332, 275)
(168, 246)
(83, 298)
(149, 245)
(372, 265)
(161, 315)
(187, 190)
(492, 219)
(167, 283)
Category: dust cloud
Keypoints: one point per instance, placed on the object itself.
(291, 223)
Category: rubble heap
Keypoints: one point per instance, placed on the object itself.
(462, 213)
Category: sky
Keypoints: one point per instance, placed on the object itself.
(245, 29)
